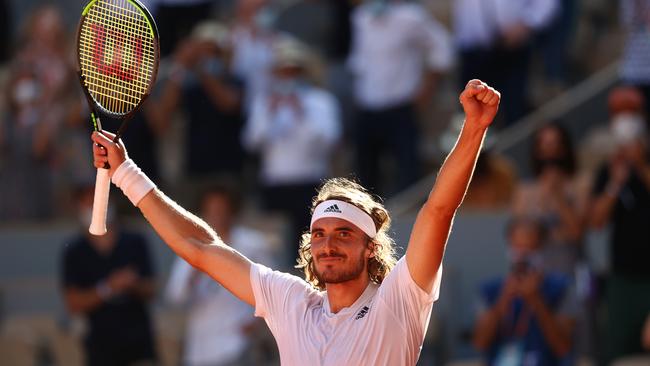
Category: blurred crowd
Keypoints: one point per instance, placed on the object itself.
(257, 101)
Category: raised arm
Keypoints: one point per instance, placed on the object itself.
(432, 226)
(187, 235)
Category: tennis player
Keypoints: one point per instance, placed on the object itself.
(358, 305)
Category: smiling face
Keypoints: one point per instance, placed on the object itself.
(340, 250)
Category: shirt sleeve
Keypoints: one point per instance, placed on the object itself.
(408, 302)
(276, 293)
(436, 42)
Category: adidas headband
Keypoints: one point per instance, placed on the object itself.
(347, 212)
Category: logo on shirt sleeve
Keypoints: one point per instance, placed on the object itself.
(362, 313)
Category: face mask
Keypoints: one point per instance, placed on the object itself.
(627, 127)
(213, 66)
(286, 87)
(264, 18)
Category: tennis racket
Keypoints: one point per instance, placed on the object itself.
(117, 54)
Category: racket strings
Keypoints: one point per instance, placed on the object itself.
(117, 54)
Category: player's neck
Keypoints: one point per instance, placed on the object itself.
(343, 295)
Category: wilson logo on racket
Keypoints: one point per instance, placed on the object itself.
(116, 58)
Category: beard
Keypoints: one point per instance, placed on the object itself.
(352, 271)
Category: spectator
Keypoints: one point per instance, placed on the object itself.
(494, 38)
(38, 94)
(528, 316)
(621, 198)
(219, 325)
(109, 280)
(555, 197)
(398, 52)
(294, 128)
(202, 85)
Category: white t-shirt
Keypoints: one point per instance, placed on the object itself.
(385, 326)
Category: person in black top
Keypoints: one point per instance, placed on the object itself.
(622, 199)
(109, 280)
(201, 84)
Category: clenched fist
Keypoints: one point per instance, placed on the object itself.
(480, 103)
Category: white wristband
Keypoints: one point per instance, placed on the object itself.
(132, 181)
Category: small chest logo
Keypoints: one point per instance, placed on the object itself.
(362, 313)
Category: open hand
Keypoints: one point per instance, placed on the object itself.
(480, 103)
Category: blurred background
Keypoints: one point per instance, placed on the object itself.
(257, 101)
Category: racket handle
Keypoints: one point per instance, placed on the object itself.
(100, 205)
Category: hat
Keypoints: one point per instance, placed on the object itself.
(213, 31)
(289, 52)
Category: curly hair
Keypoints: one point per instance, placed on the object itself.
(346, 190)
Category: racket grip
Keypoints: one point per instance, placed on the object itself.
(100, 205)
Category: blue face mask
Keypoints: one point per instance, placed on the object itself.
(213, 66)
(286, 87)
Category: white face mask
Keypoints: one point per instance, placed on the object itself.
(627, 127)
(26, 91)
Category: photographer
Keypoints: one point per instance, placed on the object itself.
(621, 198)
(528, 316)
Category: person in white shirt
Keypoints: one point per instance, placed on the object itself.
(218, 324)
(494, 39)
(359, 307)
(294, 128)
(398, 52)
